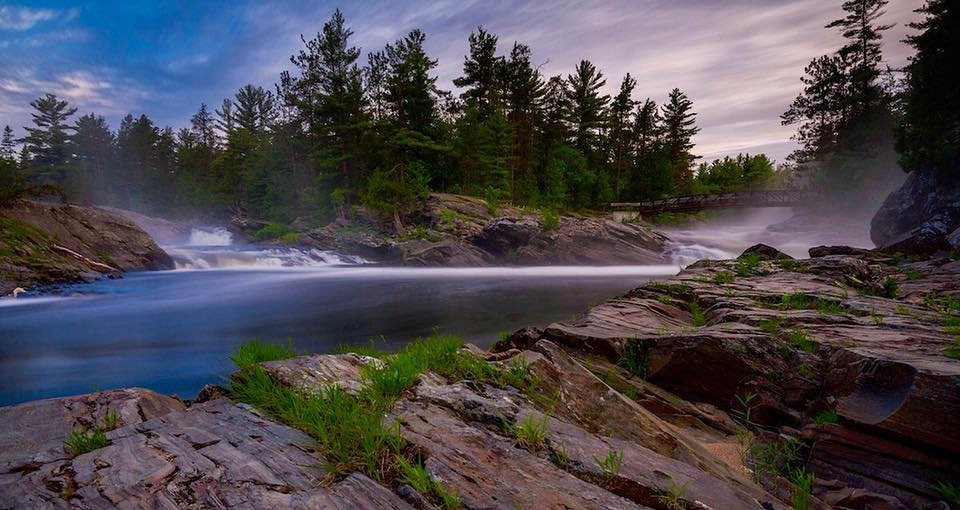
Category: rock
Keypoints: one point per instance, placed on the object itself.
(447, 252)
(765, 252)
(589, 240)
(43, 243)
(212, 455)
(825, 251)
(316, 371)
(918, 217)
(345, 237)
(502, 236)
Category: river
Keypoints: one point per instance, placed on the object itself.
(172, 331)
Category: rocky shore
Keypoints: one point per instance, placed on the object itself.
(457, 230)
(43, 243)
(761, 382)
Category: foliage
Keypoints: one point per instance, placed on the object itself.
(949, 492)
(83, 441)
(255, 352)
(699, 319)
(749, 265)
(415, 474)
(828, 416)
(635, 359)
(110, 419)
(531, 433)
(801, 340)
(272, 231)
(801, 488)
(610, 464)
(723, 277)
(673, 496)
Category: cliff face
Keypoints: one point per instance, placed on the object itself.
(51, 243)
(923, 216)
(705, 391)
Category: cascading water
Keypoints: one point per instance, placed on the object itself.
(210, 248)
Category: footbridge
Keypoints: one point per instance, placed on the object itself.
(728, 200)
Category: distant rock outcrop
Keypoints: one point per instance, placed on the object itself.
(42, 243)
(922, 216)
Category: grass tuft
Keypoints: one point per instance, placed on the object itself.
(699, 319)
(636, 359)
(673, 496)
(610, 464)
(531, 433)
(415, 474)
(83, 441)
(255, 352)
(950, 493)
(801, 488)
(723, 277)
(829, 416)
(801, 340)
(110, 419)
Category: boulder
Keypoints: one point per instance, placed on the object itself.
(918, 217)
(502, 236)
(765, 252)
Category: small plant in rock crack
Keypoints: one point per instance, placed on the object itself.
(610, 464)
(110, 419)
(801, 488)
(673, 496)
(83, 441)
(699, 319)
(950, 493)
(560, 456)
(744, 408)
(635, 359)
(828, 416)
(531, 433)
(415, 475)
(723, 277)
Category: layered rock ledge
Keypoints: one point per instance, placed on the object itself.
(42, 244)
(696, 383)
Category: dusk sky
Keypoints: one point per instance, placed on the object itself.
(739, 60)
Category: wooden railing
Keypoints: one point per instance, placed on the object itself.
(729, 200)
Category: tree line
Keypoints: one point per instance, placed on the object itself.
(335, 133)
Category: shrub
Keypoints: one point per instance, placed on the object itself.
(776, 458)
(673, 496)
(272, 231)
(110, 419)
(549, 219)
(255, 352)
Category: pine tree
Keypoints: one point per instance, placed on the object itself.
(862, 51)
(254, 109)
(587, 105)
(928, 137)
(94, 157)
(821, 108)
(8, 146)
(47, 144)
(482, 70)
(226, 122)
(620, 135)
(523, 97)
(679, 127)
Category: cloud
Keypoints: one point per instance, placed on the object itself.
(25, 18)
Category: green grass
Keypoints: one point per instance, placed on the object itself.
(110, 419)
(803, 301)
(801, 488)
(801, 340)
(673, 496)
(349, 430)
(699, 319)
(635, 359)
(531, 433)
(610, 464)
(797, 266)
(914, 275)
(749, 265)
(665, 299)
(415, 474)
(370, 349)
(952, 350)
(549, 219)
(804, 370)
(775, 458)
(723, 277)
(950, 493)
(255, 352)
(272, 231)
(829, 416)
(772, 327)
(83, 441)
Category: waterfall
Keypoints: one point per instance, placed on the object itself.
(217, 236)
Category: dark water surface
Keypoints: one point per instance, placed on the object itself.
(172, 331)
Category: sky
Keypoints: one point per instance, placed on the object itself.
(740, 61)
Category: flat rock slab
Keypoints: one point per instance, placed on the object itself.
(212, 455)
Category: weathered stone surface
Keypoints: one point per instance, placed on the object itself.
(597, 241)
(501, 236)
(446, 252)
(317, 371)
(918, 217)
(212, 455)
(68, 243)
(765, 252)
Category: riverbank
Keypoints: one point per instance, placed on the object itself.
(44, 244)
(463, 231)
(758, 381)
